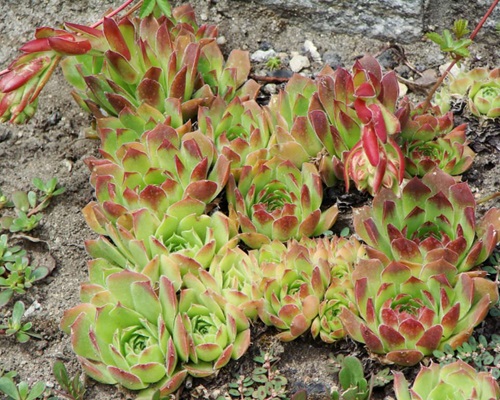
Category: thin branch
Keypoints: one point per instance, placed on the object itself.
(114, 12)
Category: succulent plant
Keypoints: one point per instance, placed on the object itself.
(450, 153)
(433, 218)
(151, 60)
(25, 77)
(345, 118)
(481, 88)
(342, 255)
(163, 167)
(275, 200)
(292, 287)
(417, 125)
(370, 174)
(306, 283)
(237, 275)
(406, 317)
(121, 334)
(184, 239)
(240, 130)
(215, 330)
(454, 381)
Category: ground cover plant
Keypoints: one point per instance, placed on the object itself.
(211, 209)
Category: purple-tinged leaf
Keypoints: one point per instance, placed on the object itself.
(405, 357)
(68, 46)
(430, 339)
(126, 379)
(371, 340)
(115, 38)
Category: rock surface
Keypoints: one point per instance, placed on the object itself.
(402, 20)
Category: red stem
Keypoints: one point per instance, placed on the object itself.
(114, 12)
(439, 82)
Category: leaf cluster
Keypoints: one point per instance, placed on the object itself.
(353, 385)
(453, 42)
(14, 326)
(73, 387)
(273, 63)
(155, 7)
(264, 383)
(20, 391)
(482, 353)
(28, 205)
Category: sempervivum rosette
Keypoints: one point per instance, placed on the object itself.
(292, 286)
(240, 130)
(345, 122)
(406, 317)
(208, 330)
(450, 153)
(184, 239)
(275, 200)
(148, 61)
(342, 255)
(120, 333)
(163, 167)
(304, 285)
(480, 86)
(454, 381)
(433, 218)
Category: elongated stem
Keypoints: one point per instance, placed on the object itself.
(46, 77)
(114, 12)
(488, 198)
(439, 82)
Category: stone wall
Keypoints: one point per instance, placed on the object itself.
(405, 21)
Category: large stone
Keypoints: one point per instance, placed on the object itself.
(405, 21)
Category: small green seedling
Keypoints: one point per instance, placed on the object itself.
(482, 353)
(72, 388)
(14, 327)
(273, 63)
(352, 381)
(21, 391)
(17, 276)
(453, 42)
(265, 382)
(28, 206)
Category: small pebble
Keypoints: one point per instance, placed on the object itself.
(270, 88)
(221, 40)
(262, 55)
(299, 62)
(310, 48)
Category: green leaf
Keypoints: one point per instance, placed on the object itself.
(460, 28)
(488, 359)
(38, 183)
(9, 388)
(20, 200)
(22, 337)
(58, 191)
(164, 6)
(32, 199)
(18, 311)
(23, 390)
(147, 8)
(61, 374)
(435, 37)
(5, 296)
